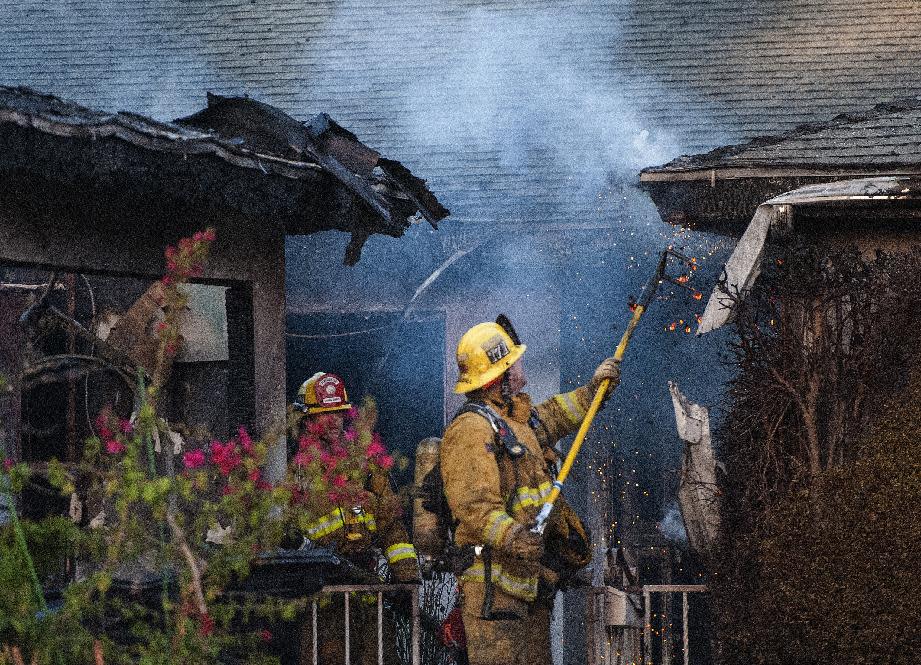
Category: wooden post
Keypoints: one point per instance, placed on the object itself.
(415, 629)
(380, 628)
(347, 622)
(684, 625)
(647, 626)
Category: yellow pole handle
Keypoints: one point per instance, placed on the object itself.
(586, 423)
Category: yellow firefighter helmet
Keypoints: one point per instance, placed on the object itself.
(484, 353)
(322, 393)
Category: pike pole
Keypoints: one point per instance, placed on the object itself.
(649, 291)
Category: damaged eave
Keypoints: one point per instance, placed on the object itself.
(269, 166)
(713, 175)
(718, 191)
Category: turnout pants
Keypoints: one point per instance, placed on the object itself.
(505, 640)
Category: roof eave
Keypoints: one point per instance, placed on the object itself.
(714, 173)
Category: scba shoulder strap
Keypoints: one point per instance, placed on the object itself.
(508, 444)
(506, 441)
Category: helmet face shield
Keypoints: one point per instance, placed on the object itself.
(484, 353)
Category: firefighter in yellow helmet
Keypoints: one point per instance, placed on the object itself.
(359, 533)
(496, 461)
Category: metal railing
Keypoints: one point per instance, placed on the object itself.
(665, 640)
(379, 590)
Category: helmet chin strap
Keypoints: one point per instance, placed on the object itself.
(506, 388)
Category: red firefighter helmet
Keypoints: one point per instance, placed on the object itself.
(322, 393)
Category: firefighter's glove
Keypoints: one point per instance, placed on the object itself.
(405, 571)
(525, 545)
(608, 369)
(568, 543)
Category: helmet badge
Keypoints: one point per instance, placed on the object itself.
(330, 391)
(496, 349)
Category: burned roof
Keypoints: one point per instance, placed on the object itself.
(317, 180)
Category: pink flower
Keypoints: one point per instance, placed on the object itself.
(225, 456)
(315, 428)
(350, 435)
(303, 459)
(105, 433)
(102, 418)
(193, 458)
(170, 252)
(7, 464)
(328, 460)
(228, 490)
(375, 449)
(265, 635)
(161, 327)
(245, 440)
(127, 427)
(263, 486)
(308, 442)
(170, 349)
(170, 265)
(385, 461)
(114, 447)
(340, 481)
(209, 235)
(352, 413)
(254, 475)
(198, 236)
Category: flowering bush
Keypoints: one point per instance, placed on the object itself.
(329, 468)
(192, 520)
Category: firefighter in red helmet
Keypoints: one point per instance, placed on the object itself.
(359, 533)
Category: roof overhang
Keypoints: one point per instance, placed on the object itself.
(268, 167)
(835, 208)
(717, 173)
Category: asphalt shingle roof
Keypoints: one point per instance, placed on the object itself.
(514, 110)
(886, 138)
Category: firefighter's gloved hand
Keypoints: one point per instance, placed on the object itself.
(405, 571)
(568, 543)
(523, 544)
(608, 369)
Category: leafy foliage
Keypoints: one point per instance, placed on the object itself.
(823, 472)
(192, 523)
